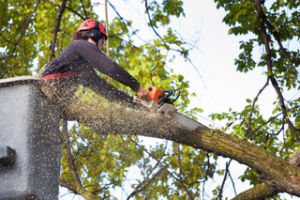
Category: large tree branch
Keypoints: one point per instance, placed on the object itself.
(104, 117)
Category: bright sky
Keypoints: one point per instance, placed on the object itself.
(220, 87)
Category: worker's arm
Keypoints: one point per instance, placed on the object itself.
(142, 93)
(101, 62)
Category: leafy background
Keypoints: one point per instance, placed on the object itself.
(34, 32)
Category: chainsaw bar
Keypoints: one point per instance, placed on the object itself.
(170, 112)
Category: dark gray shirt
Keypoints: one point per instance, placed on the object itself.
(81, 55)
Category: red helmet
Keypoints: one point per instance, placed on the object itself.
(91, 23)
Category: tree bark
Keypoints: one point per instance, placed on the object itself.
(259, 192)
(263, 191)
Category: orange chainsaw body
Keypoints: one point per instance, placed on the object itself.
(155, 93)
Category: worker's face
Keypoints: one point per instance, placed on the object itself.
(101, 44)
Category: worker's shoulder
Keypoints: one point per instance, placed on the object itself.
(79, 43)
(83, 45)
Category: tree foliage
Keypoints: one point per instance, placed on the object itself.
(33, 32)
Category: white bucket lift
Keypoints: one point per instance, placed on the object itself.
(30, 147)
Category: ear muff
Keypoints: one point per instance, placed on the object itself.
(95, 33)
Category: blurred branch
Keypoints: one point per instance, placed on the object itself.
(125, 21)
(24, 25)
(70, 157)
(6, 40)
(60, 13)
(190, 196)
(84, 10)
(79, 189)
(182, 51)
(179, 161)
(114, 8)
(224, 179)
(249, 132)
(69, 8)
(151, 23)
(158, 35)
(154, 30)
(180, 180)
(233, 185)
(143, 185)
(206, 174)
(270, 119)
(278, 132)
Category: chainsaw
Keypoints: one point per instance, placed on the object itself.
(161, 101)
(163, 96)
